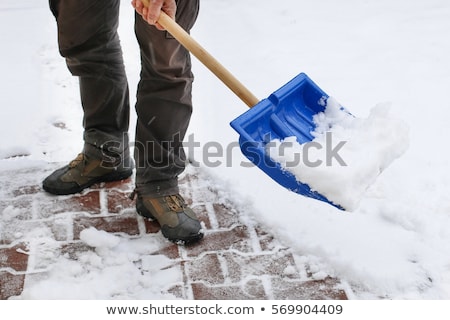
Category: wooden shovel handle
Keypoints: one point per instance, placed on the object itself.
(207, 59)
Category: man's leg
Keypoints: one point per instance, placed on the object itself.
(88, 40)
(164, 107)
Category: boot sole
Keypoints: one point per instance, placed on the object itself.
(191, 240)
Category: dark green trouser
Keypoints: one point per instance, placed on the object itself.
(88, 39)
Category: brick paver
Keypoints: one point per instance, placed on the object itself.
(227, 264)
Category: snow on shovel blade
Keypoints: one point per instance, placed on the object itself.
(287, 112)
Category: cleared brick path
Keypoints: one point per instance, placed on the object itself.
(235, 260)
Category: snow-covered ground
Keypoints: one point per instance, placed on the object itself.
(396, 244)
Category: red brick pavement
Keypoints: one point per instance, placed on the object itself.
(227, 264)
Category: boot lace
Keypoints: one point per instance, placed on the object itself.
(75, 162)
(175, 202)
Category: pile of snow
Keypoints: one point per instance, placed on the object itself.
(347, 154)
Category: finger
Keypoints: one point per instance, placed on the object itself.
(144, 13)
(138, 6)
(170, 9)
(153, 11)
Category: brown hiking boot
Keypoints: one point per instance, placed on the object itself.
(178, 222)
(81, 173)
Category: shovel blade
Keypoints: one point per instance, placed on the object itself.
(287, 112)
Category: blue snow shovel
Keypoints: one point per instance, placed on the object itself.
(285, 113)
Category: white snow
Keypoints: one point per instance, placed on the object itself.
(395, 244)
(347, 153)
(98, 239)
(115, 269)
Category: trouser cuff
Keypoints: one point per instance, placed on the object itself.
(119, 159)
(160, 188)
